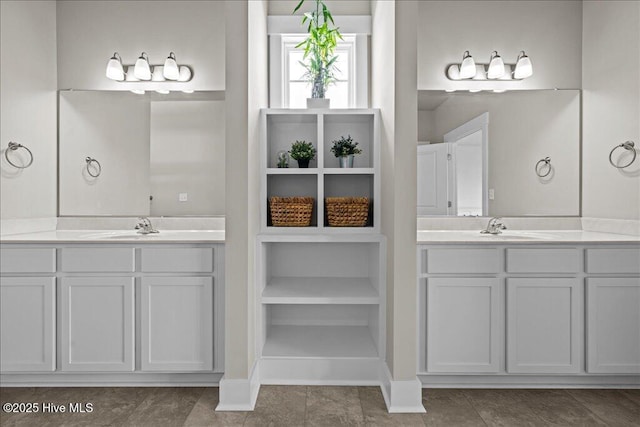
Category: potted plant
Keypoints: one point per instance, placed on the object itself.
(318, 59)
(345, 149)
(303, 152)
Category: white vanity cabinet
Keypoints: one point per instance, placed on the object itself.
(464, 324)
(126, 312)
(97, 333)
(27, 324)
(27, 309)
(494, 314)
(544, 325)
(177, 323)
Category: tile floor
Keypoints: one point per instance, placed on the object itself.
(327, 406)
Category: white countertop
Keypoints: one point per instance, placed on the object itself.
(218, 236)
(523, 236)
(117, 236)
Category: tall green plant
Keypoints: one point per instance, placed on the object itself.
(321, 41)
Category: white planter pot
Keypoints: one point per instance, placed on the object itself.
(318, 102)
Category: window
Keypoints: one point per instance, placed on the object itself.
(295, 88)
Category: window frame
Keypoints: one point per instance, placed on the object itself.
(356, 26)
(348, 44)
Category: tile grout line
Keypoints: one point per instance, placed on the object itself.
(464, 393)
(586, 407)
(306, 401)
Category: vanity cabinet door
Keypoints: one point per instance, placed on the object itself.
(177, 324)
(97, 324)
(464, 325)
(613, 325)
(544, 325)
(27, 324)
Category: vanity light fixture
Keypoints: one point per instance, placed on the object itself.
(468, 66)
(524, 68)
(142, 70)
(114, 68)
(170, 69)
(496, 69)
(496, 66)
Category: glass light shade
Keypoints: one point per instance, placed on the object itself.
(130, 75)
(114, 68)
(157, 75)
(170, 70)
(137, 91)
(162, 91)
(185, 74)
(467, 67)
(142, 70)
(524, 68)
(187, 91)
(496, 67)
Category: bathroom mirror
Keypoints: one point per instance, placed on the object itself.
(126, 154)
(513, 153)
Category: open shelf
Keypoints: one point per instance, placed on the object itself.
(348, 171)
(285, 129)
(319, 341)
(292, 171)
(360, 127)
(320, 290)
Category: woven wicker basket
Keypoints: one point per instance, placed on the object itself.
(291, 211)
(347, 211)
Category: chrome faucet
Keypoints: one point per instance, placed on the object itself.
(144, 226)
(495, 226)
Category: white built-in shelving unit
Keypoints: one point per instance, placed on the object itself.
(321, 290)
(324, 177)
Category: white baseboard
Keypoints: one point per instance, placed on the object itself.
(240, 394)
(529, 381)
(111, 379)
(401, 396)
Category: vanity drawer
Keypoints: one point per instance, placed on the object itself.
(619, 260)
(177, 260)
(530, 260)
(98, 260)
(460, 261)
(28, 260)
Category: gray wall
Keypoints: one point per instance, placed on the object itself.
(549, 31)
(611, 107)
(28, 107)
(90, 31)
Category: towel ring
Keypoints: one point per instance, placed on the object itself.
(13, 146)
(98, 166)
(546, 162)
(627, 145)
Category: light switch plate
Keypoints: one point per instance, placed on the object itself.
(492, 194)
(183, 197)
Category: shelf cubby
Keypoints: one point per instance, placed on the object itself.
(285, 129)
(351, 185)
(321, 331)
(360, 127)
(293, 185)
